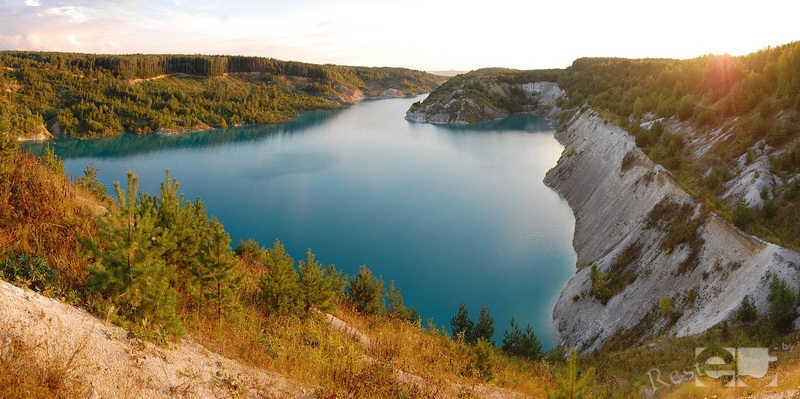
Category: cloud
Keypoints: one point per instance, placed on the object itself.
(69, 11)
(33, 3)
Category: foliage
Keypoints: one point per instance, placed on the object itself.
(90, 183)
(782, 306)
(365, 291)
(218, 275)
(461, 326)
(570, 385)
(665, 305)
(41, 218)
(747, 312)
(396, 307)
(52, 161)
(484, 328)
(682, 227)
(600, 289)
(743, 99)
(88, 95)
(490, 88)
(294, 344)
(280, 290)
(484, 359)
(31, 272)
(521, 343)
(316, 290)
(128, 269)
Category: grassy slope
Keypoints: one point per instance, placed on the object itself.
(43, 214)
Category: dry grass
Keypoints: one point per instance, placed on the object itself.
(42, 213)
(402, 360)
(39, 369)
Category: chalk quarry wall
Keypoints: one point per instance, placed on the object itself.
(612, 186)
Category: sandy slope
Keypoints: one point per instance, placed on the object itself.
(115, 366)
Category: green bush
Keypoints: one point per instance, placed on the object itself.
(782, 307)
(665, 305)
(747, 311)
(600, 289)
(31, 272)
(484, 359)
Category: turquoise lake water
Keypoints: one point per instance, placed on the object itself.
(450, 213)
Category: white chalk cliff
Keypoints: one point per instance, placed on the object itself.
(612, 187)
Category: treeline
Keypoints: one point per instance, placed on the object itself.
(143, 66)
(87, 95)
(703, 90)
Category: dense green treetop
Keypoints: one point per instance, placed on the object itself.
(88, 95)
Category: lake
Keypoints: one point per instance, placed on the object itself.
(450, 213)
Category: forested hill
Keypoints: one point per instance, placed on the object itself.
(728, 128)
(88, 95)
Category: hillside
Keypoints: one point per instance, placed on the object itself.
(486, 94)
(683, 177)
(147, 297)
(88, 95)
(50, 347)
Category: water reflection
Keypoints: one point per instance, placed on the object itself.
(129, 145)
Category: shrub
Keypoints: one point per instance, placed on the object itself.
(665, 305)
(484, 359)
(747, 311)
(365, 291)
(519, 343)
(570, 385)
(461, 326)
(31, 272)
(782, 307)
(600, 289)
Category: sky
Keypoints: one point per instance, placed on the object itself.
(431, 35)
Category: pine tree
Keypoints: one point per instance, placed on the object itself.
(569, 385)
(461, 326)
(315, 288)
(217, 273)
(397, 307)
(747, 311)
(128, 270)
(336, 279)
(90, 183)
(365, 291)
(512, 339)
(519, 343)
(184, 222)
(782, 306)
(484, 328)
(280, 289)
(531, 347)
(484, 359)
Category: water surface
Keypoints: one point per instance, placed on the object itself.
(449, 213)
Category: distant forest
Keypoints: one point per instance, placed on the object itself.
(87, 95)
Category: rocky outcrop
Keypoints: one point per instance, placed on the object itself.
(463, 106)
(40, 133)
(627, 211)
